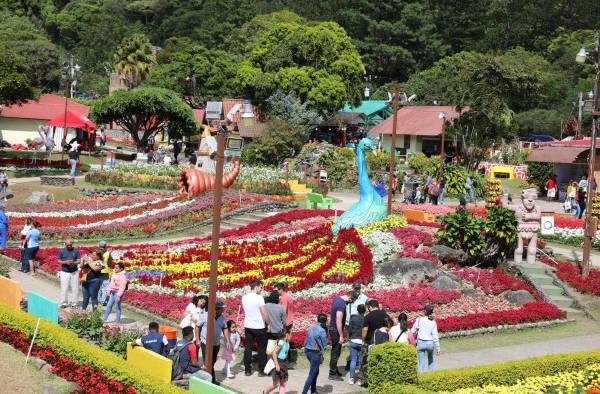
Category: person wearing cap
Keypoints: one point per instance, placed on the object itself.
(220, 329)
(3, 228)
(352, 309)
(426, 333)
(104, 276)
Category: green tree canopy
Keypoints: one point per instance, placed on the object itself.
(15, 85)
(134, 59)
(25, 39)
(287, 106)
(278, 142)
(318, 62)
(182, 59)
(145, 111)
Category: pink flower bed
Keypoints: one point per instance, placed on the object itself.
(437, 210)
(571, 274)
(494, 281)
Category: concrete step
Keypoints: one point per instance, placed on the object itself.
(561, 301)
(236, 222)
(542, 279)
(573, 311)
(552, 290)
(534, 268)
(244, 219)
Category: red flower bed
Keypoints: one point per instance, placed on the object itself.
(283, 217)
(494, 281)
(572, 275)
(90, 380)
(424, 224)
(530, 312)
(568, 222)
(40, 162)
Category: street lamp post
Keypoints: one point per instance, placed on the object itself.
(591, 223)
(393, 149)
(71, 71)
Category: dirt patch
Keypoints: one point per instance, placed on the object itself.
(21, 191)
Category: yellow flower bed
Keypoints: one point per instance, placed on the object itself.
(561, 383)
(392, 221)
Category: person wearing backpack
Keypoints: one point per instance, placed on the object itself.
(185, 357)
(400, 332)
(434, 191)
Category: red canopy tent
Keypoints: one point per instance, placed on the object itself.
(72, 120)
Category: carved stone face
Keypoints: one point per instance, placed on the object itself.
(528, 201)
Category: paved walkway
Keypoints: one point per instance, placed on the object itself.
(16, 181)
(575, 253)
(516, 352)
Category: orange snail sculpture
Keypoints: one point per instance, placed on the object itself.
(193, 181)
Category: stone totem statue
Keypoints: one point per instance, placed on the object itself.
(528, 217)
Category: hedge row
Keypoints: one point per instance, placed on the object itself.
(66, 343)
(500, 374)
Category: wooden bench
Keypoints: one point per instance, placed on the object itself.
(317, 201)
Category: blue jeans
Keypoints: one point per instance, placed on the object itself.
(27, 255)
(90, 290)
(314, 358)
(102, 294)
(3, 236)
(3, 189)
(73, 163)
(469, 195)
(355, 349)
(425, 353)
(441, 196)
(113, 301)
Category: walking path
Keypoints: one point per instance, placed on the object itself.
(575, 253)
(517, 352)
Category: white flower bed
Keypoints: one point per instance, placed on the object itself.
(383, 245)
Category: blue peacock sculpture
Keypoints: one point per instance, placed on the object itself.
(370, 206)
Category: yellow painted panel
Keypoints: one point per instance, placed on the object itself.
(503, 169)
(414, 214)
(154, 364)
(10, 292)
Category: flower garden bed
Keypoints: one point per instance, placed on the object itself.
(126, 216)
(571, 274)
(298, 247)
(73, 359)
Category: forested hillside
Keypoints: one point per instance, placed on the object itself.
(511, 60)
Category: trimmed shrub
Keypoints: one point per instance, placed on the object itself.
(66, 343)
(391, 388)
(505, 374)
(391, 363)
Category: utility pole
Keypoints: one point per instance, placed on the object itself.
(591, 223)
(580, 104)
(393, 149)
(214, 250)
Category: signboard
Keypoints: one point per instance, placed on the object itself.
(233, 146)
(547, 224)
(43, 307)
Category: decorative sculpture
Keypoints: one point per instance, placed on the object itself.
(528, 217)
(193, 181)
(370, 206)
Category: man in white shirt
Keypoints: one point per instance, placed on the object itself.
(256, 320)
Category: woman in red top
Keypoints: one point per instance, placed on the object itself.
(551, 187)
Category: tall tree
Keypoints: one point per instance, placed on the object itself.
(134, 59)
(143, 112)
(318, 62)
(15, 85)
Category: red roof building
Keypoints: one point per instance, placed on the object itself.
(418, 129)
(20, 122)
(46, 108)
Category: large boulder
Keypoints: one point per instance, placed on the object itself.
(37, 198)
(518, 297)
(472, 292)
(406, 269)
(446, 282)
(447, 254)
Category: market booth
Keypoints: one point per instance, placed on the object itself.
(84, 129)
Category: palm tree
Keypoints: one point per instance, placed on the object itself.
(134, 59)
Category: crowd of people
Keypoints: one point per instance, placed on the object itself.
(576, 194)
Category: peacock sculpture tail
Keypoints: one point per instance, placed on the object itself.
(370, 206)
(193, 181)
